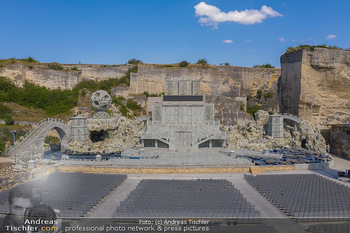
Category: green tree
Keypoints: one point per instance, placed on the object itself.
(83, 92)
(183, 64)
(202, 61)
(146, 93)
(133, 105)
(259, 94)
(225, 64)
(2, 147)
(30, 59)
(124, 110)
(9, 119)
(252, 109)
(134, 61)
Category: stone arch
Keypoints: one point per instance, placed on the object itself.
(63, 134)
(33, 142)
(287, 116)
(276, 124)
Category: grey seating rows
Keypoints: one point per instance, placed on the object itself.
(305, 197)
(330, 228)
(186, 198)
(72, 193)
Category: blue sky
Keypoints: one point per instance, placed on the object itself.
(168, 31)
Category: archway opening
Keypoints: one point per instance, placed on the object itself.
(303, 143)
(52, 141)
(98, 136)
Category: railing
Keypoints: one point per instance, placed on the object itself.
(183, 125)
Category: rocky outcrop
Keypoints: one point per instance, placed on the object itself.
(121, 134)
(229, 110)
(253, 135)
(315, 84)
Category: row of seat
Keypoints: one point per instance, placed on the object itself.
(304, 196)
(185, 198)
(72, 193)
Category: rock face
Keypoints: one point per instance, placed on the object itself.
(315, 85)
(228, 109)
(216, 80)
(119, 134)
(64, 79)
(229, 81)
(253, 135)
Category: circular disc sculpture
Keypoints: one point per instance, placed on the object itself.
(101, 101)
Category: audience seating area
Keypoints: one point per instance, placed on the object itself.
(305, 197)
(72, 193)
(186, 198)
(330, 228)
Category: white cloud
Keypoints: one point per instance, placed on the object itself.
(248, 41)
(227, 41)
(211, 15)
(330, 36)
(282, 39)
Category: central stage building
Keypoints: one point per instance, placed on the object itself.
(182, 121)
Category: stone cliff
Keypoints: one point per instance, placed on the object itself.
(229, 81)
(226, 86)
(253, 135)
(64, 79)
(315, 84)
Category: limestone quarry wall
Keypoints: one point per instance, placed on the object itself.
(315, 85)
(215, 80)
(340, 140)
(64, 79)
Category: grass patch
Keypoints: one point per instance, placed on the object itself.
(151, 95)
(54, 66)
(268, 95)
(133, 105)
(32, 95)
(124, 111)
(26, 113)
(4, 110)
(6, 136)
(14, 60)
(310, 47)
(117, 100)
(266, 66)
